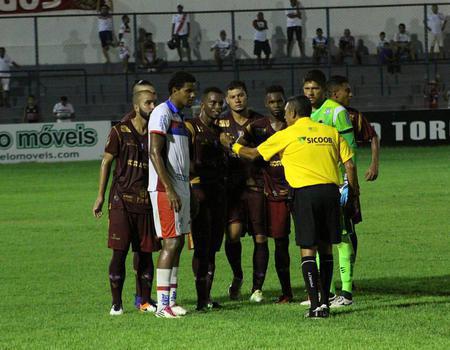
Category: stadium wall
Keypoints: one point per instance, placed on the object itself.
(75, 39)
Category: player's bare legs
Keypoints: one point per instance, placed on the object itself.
(233, 250)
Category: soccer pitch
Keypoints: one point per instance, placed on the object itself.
(54, 270)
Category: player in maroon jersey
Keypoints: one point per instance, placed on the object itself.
(276, 188)
(245, 197)
(130, 213)
(208, 170)
(138, 86)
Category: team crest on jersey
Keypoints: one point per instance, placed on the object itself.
(223, 123)
(124, 128)
(260, 131)
(327, 111)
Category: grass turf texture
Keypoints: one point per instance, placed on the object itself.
(54, 285)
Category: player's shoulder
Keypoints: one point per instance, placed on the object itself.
(161, 109)
(254, 115)
(123, 127)
(260, 122)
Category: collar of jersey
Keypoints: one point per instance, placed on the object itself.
(174, 109)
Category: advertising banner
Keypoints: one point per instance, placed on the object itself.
(27, 6)
(52, 142)
(412, 128)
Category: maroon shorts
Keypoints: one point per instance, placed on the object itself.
(248, 207)
(208, 226)
(137, 229)
(278, 219)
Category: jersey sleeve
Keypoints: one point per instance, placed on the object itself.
(273, 145)
(159, 123)
(343, 124)
(345, 152)
(113, 142)
(366, 132)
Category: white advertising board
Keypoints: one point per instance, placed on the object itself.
(52, 142)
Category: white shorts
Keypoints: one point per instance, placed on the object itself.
(168, 223)
(5, 84)
(436, 39)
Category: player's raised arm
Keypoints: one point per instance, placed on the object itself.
(157, 143)
(105, 170)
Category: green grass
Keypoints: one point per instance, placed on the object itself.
(54, 289)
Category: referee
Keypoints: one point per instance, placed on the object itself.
(310, 153)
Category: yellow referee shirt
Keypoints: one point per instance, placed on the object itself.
(309, 151)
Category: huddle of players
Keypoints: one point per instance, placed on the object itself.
(228, 193)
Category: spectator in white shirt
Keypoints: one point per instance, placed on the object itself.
(382, 41)
(294, 26)
(181, 28)
(403, 43)
(5, 66)
(436, 25)
(261, 42)
(222, 49)
(64, 111)
(105, 29)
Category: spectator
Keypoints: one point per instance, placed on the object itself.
(294, 25)
(105, 29)
(222, 49)
(124, 54)
(261, 42)
(347, 47)
(320, 46)
(431, 94)
(387, 57)
(125, 30)
(31, 112)
(181, 28)
(381, 43)
(361, 51)
(149, 58)
(5, 66)
(63, 110)
(403, 43)
(436, 25)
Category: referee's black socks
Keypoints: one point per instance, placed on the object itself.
(326, 275)
(311, 277)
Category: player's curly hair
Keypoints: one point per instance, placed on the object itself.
(179, 79)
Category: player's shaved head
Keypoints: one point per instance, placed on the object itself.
(335, 82)
(143, 85)
(212, 89)
(141, 95)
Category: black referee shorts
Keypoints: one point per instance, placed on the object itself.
(316, 215)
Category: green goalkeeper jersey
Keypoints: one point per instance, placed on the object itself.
(333, 114)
